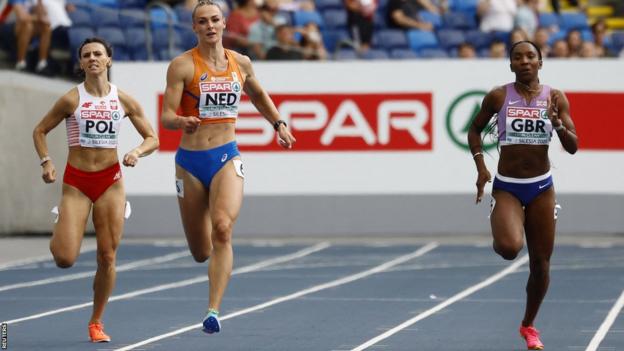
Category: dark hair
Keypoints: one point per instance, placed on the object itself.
(107, 46)
(513, 46)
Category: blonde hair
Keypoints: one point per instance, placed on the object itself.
(201, 3)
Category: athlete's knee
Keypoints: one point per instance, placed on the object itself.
(106, 259)
(222, 230)
(508, 250)
(540, 267)
(200, 256)
(63, 261)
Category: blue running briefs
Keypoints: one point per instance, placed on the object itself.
(204, 164)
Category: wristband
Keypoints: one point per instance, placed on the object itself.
(44, 159)
(277, 123)
(477, 154)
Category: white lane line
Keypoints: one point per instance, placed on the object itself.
(348, 279)
(38, 259)
(524, 259)
(178, 284)
(75, 276)
(606, 324)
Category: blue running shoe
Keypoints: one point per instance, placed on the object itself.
(211, 322)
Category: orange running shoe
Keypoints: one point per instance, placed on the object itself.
(531, 335)
(96, 333)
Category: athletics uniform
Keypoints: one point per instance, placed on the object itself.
(95, 123)
(528, 124)
(213, 97)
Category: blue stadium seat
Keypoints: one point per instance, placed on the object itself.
(548, 19)
(136, 44)
(450, 38)
(105, 3)
(188, 38)
(390, 39)
(375, 54)
(304, 17)
(346, 54)
(117, 39)
(132, 4)
(184, 15)
(478, 39)
(335, 19)
(160, 42)
(76, 36)
(617, 41)
(557, 36)
(460, 20)
(466, 6)
(322, 5)
(160, 18)
(431, 53)
(420, 39)
(80, 18)
(587, 35)
(334, 38)
(132, 18)
(379, 20)
(105, 17)
(403, 54)
(433, 18)
(568, 21)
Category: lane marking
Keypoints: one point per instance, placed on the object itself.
(511, 268)
(122, 268)
(341, 281)
(606, 324)
(182, 283)
(38, 259)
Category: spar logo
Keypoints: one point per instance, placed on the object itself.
(335, 122)
(459, 116)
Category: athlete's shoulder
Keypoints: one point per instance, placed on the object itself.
(242, 60)
(182, 65)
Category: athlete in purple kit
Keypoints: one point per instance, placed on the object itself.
(523, 195)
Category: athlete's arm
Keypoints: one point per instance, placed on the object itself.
(134, 111)
(179, 68)
(559, 114)
(490, 106)
(63, 107)
(261, 100)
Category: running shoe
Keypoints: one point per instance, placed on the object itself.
(211, 322)
(531, 335)
(96, 333)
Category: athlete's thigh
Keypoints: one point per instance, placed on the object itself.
(73, 215)
(108, 216)
(540, 224)
(507, 218)
(193, 203)
(226, 193)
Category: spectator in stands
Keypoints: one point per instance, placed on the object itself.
(466, 50)
(296, 5)
(403, 14)
(527, 16)
(286, 47)
(312, 43)
(541, 37)
(575, 41)
(238, 24)
(360, 15)
(516, 35)
(560, 49)
(498, 49)
(262, 32)
(599, 30)
(497, 15)
(588, 50)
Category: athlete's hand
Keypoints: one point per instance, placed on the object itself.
(286, 139)
(49, 172)
(131, 158)
(189, 124)
(553, 110)
(482, 178)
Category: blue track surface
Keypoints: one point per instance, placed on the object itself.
(585, 284)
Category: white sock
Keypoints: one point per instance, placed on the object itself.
(20, 64)
(41, 65)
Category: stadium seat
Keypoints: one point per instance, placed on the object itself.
(334, 39)
(617, 41)
(322, 5)
(466, 6)
(132, 18)
(161, 39)
(548, 19)
(132, 4)
(301, 18)
(390, 39)
(379, 20)
(76, 36)
(188, 38)
(450, 38)
(105, 3)
(345, 54)
(402, 54)
(105, 17)
(335, 19)
(136, 44)
(375, 54)
(459, 20)
(80, 18)
(568, 21)
(117, 39)
(557, 36)
(431, 53)
(478, 39)
(420, 39)
(184, 15)
(161, 18)
(433, 18)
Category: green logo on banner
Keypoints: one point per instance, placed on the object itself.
(460, 115)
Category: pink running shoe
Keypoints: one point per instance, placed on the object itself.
(531, 335)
